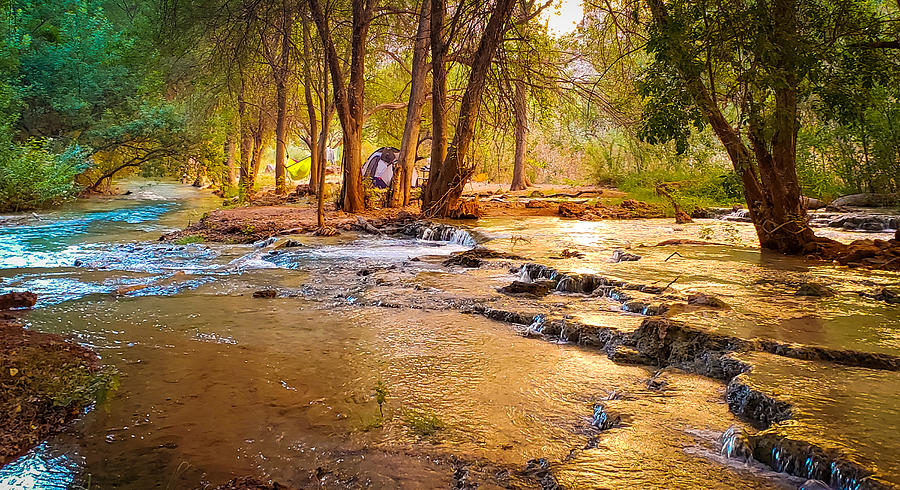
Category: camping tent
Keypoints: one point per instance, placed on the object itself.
(380, 167)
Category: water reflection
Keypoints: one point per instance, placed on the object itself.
(41, 468)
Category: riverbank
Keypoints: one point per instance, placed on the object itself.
(46, 381)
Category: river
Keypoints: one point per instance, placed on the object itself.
(217, 384)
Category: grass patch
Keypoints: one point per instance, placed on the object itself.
(190, 239)
(422, 424)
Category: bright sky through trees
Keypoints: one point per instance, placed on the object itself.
(563, 17)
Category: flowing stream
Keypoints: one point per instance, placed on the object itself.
(217, 384)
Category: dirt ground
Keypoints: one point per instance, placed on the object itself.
(45, 382)
(270, 215)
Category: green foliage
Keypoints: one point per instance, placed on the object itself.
(421, 423)
(381, 394)
(45, 376)
(190, 239)
(31, 176)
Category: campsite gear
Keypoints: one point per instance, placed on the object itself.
(299, 169)
(379, 167)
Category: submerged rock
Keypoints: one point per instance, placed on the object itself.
(265, 293)
(620, 255)
(604, 420)
(626, 355)
(249, 483)
(539, 469)
(883, 294)
(815, 290)
(701, 299)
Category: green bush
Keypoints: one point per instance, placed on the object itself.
(31, 176)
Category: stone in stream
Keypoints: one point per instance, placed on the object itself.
(736, 443)
(627, 355)
(701, 299)
(620, 255)
(536, 288)
(265, 293)
(886, 295)
(814, 290)
(539, 469)
(17, 299)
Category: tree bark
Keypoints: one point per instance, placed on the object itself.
(311, 112)
(349, 97)
(230, 175)
(438, 99)
(245, 184)
(448, 185)
(281, 71)
(401, 184)
(520, 108)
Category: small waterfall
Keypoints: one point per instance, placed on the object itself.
(441, 233)
(537, 325)
(736, 443)
(463, 238)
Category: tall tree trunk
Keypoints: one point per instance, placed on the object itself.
(256, 157)
(349, 97)
(520, 108)
(311, 112)
(771, 187)
(448, 186)
(401, 183)
(438, 99)
(327, 108)
(245, 185)
(281, 101)
(231, 177)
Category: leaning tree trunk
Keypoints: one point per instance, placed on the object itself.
(446, 188)
(401, 183)
(771, 187)
(520, 108)
(349, 97)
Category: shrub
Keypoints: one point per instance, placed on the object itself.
(31, 176)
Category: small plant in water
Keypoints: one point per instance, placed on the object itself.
(707, 233)
(422, 424)
(381, 394)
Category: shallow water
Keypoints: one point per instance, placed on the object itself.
(851, 409)
(217, 384)
(758, 287)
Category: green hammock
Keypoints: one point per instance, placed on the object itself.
(299, 170)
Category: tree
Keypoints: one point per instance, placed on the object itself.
(449, 175)
(402, 182)
(349, 96)
(743, 68)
